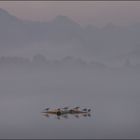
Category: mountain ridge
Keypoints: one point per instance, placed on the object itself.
(63, 31)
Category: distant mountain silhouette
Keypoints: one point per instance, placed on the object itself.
(6, 16)
(15, 32)
(109, 41)
(63, 30)
(11, 29)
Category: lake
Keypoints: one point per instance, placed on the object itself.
(112, 97)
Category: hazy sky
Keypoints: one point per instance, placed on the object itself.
(83, 12)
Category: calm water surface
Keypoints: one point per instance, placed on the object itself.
(113, 99)
(110, 118)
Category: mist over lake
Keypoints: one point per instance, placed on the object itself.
(112, 95)
(59, 63)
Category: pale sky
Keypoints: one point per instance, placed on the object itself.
(84, 12)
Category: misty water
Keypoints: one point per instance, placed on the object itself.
(58, 61)
(111, 94)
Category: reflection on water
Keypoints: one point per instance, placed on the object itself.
(111, 117)
(66, 116)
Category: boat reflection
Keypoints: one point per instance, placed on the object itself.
(66, 116)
